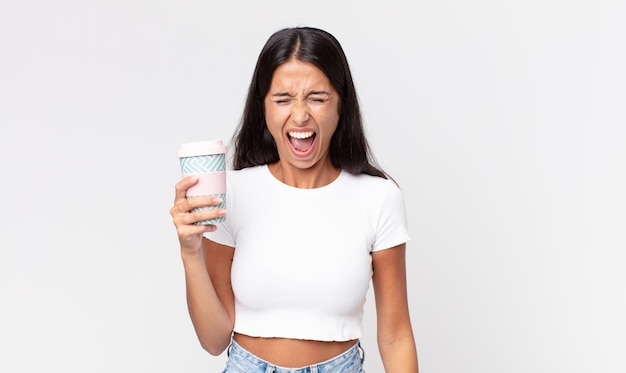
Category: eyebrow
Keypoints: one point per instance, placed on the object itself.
(318, 93)
(285, 94)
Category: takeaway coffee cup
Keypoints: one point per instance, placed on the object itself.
(206, 160)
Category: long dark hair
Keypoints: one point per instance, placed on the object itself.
(254, 145)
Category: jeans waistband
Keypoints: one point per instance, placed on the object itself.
(349, 361)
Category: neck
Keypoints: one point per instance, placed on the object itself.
(308, 178)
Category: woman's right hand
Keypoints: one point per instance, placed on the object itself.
(189, 234)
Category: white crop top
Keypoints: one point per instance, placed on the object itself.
(302, 263)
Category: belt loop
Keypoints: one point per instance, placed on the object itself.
(269, 369)
(314, 369)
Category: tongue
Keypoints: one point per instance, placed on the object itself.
(302, 145)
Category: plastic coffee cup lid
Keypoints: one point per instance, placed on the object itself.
(192, 149)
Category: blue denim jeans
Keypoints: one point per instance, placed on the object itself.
(242, 361)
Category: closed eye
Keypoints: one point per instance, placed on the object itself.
(282, 101)
(318, 98)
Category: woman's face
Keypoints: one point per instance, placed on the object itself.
(302, 113)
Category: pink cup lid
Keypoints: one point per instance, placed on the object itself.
(192, 149)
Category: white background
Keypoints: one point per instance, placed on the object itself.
(503, 121)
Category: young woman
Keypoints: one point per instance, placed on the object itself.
(311, 221)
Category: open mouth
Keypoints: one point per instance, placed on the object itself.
(301, 142)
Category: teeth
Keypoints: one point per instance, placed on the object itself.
(301, 135)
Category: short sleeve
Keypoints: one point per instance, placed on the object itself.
(391, 227)
(223, 235)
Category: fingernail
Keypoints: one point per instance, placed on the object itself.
(217, 200)
(221, 212)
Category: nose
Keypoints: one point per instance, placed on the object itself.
(299, 112)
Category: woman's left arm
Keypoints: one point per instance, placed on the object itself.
(395, 334)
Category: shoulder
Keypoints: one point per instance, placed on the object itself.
(244, 174)
(378, 193)
(249, 181)
(371, 184)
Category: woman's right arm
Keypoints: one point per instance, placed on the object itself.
(207, 266)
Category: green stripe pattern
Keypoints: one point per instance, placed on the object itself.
(203, 163)
(215, 207)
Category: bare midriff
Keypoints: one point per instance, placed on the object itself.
(292, 353)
